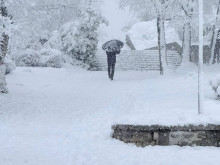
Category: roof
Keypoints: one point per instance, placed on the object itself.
(144, 35)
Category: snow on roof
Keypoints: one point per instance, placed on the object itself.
(144, 35)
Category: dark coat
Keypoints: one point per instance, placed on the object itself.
(111, 56)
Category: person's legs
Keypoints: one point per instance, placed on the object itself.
(109, 70)
(218, 55)
(215, 54)
(112, 71)
(109, 67)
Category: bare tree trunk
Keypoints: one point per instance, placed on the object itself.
(4, 44)
(3, 52)
(162, 44)
(187, 30)
(4, 49)
(160, 7)
(186, 42)
(160, 54)
(214, 37)
(3, 84)
(200, 62)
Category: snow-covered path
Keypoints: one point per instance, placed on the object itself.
(64, 116)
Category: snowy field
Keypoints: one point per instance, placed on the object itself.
(64, 116)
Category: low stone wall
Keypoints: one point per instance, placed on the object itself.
(190, 135)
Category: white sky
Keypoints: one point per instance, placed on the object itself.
(117, 18)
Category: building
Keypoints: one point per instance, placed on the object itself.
(143, 36)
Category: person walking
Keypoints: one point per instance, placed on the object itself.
(112, 48)
(111, 59)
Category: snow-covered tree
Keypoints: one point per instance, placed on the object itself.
(187, 7)
(161, 10)
(67, 33)
(5, 22)
(161, 7)
(216, 28)
(86, 36)
(37, 19)
(80, 38)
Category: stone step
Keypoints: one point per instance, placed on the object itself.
(138, 60)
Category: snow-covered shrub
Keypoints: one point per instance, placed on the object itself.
(29, 58)
(34, 40)
(44, 58)
(54, 61)
(52, 58)
(86, 36)
(215, 84)
(9, 65)
(54, 42)
(67, 33)
(80, 39)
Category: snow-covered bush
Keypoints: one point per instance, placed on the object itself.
(67, 33)
(44, 58)
(54, 42)
(52, 58)
(80, 38)
(54, 61)
(215, 84)
(9, 65)
(29, 58)
(86, 36)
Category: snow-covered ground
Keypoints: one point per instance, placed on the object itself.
(64, 116)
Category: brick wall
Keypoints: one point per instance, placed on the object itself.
(138, 60)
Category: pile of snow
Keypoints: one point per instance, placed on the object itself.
(144, 34)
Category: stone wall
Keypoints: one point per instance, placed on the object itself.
(138, 60)
(162, 135)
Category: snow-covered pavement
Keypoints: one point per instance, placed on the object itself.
(64, 117)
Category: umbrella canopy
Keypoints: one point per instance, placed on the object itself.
(113, 46)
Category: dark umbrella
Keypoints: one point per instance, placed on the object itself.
(113, 46)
